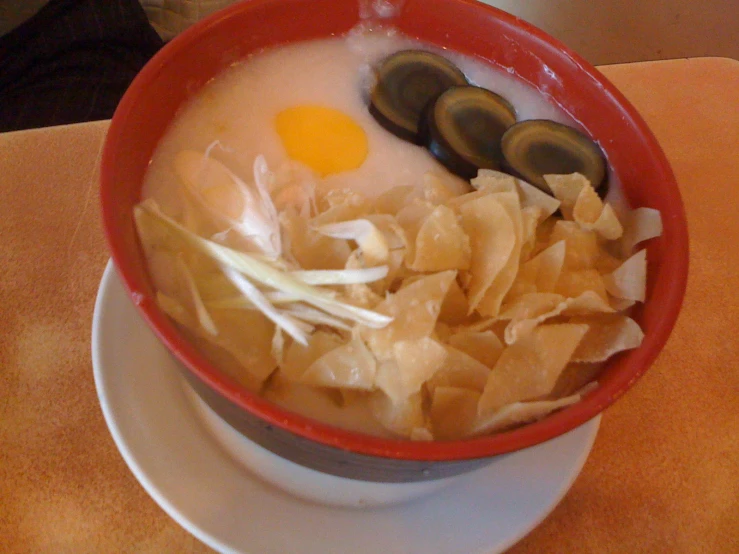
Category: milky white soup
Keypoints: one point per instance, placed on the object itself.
(235, 119)
(238, 108)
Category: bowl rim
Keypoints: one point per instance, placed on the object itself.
(551, 426)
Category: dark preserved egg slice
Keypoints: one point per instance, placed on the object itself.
(464, 129)
(407, 82)
(534, 148)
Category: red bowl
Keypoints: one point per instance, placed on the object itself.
(183, 66)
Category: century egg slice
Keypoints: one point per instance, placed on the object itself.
(407, 82)
(464, 128)
(537, 147)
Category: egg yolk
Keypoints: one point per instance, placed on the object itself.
(326, 140)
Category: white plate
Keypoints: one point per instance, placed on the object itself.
(182, 466)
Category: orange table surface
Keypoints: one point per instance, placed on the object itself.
(663, 475)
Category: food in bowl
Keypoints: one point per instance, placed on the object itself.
(361, 277)
(200, 54)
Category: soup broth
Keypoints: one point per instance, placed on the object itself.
(238, 109)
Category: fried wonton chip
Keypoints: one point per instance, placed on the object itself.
(533, 309)
(347, 411)
(453, 412)
(368, 295)
(494, 181)
(388, 226)
(298, 358)
(193, 296)
(589, 302)
(171, 283)
(640, 224)
(500, 308)
(162, 246)
(247, 334)
(580, 202)
(413, 363)
(530, 305)
(460, 370)
(566, 189)
(544, 234)
(454, 308)
(437, 189)
(531, 196)
(629, 281)
(177, 311)
(587, 207)
(541, 273)
(484, 346)
(410, 218)
(341, 205)
(575, 377)
(529, 311)
(414, 308)
(277, 347)
(574, 283)
(606, 262)
(493, 241)
(607, 225)
(534, 197)
(493, 298)
(529, 222)
(396, 270)
(591, 213)
(246, 356)
(442, 332)
(392, 200)
(582, 249)
(401, 418)
(520, 412)
(308, 248)
(606, 336)
(293, 186)
(459, 201)
(211, 181)
(440, 243)
(349, 366)
(528, 369)
(363, 296)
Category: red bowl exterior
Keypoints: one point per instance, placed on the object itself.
(183, 66)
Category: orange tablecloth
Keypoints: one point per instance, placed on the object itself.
(663, 475)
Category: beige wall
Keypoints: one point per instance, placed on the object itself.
(614, 31)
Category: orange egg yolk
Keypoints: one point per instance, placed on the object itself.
(326, 140)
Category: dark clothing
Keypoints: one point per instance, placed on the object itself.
(72, 62)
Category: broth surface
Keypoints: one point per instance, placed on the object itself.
(238, 108)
